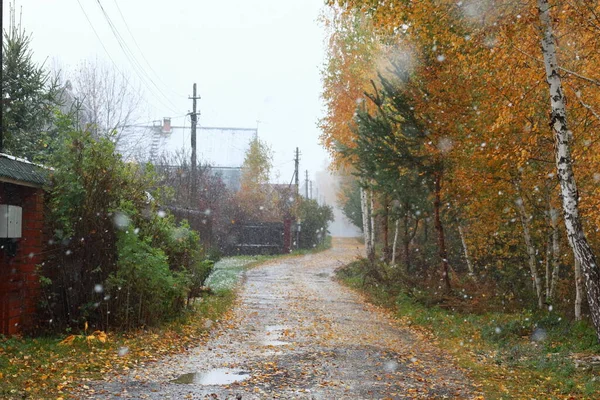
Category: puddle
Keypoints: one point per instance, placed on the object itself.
(218, 376)
(274, 328)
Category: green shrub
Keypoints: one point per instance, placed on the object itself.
(115, 258)
(143, 290)
(315, 219)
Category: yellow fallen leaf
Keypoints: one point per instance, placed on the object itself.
(68, 340)
(101, 336)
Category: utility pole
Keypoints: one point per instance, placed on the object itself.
(194, 118)
(296, 170)
(311, 190)
(1, 77)
(306, 184)
(296, 176)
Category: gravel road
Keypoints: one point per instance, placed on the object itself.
(298, 334)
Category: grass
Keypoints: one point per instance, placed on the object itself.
(511, 356)
(42, 367)
(228, 271)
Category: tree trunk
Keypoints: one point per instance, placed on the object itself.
(366, 217)
(406, 240)
(466, 251)
(443, 253)
(555, 251)
(548, 270)
(537, 282)
(564, 165)
(578, 290)
(385, 227)
(372, 217)
(397, 225)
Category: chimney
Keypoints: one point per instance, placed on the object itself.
(166, 128)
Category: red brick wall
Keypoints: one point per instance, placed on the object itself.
(19, 284)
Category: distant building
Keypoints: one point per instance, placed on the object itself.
(220, 147)
(231, 176)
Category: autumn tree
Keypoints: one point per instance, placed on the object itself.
(256, 197)
(478, 86)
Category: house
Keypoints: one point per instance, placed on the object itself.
(21, 241)
(215, 146)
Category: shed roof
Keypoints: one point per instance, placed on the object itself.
(21, 172)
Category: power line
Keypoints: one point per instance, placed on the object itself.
(98, 36)
(142, 53)
(132, 59)
(137, 68)
(108, 53)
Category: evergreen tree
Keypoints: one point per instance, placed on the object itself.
(30, 96)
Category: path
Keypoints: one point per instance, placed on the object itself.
(297, 334)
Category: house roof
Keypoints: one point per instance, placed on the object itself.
(21, 172)
(216, 146)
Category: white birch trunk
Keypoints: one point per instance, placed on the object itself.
(365, 220)
(466, 250)
(537, 282)
(555, 251)
(548, 270)
(564, 165)
(396, 228)
(372, 217)
(578, 290)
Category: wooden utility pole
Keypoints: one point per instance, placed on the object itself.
(1, 77)
(194, 177)
(306, 184)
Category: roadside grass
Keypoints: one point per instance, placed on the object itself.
(42, 367)
(228, 271)
(509, 356)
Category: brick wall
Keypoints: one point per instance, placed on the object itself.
(19, 284)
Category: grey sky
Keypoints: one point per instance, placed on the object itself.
(252, 60)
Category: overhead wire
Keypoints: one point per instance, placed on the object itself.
(137, 68)
(142, 53)
(124, 76)
(98, 36)
(133, 60)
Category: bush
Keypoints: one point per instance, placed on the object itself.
(115, 258)
(315, 219)
(143, 290)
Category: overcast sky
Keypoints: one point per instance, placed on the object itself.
(252, 60)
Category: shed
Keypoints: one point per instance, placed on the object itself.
(21, 241)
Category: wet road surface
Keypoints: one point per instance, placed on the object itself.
(298, 334)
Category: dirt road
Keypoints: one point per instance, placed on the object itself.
(297, 334)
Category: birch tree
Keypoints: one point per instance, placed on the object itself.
(564, 166)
